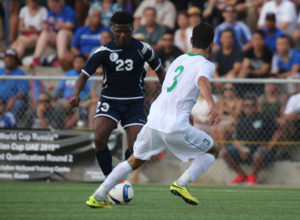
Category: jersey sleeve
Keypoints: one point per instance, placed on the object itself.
(150, 57)
(94, 61)
(207, 70)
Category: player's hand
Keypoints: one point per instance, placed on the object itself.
(74, 102)
(212, 115)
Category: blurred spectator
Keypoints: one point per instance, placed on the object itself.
(169, 52)
(106, 37)
(256, 64)
(61, 23)
(166, 13)
(85, 39)
(107, 8)
(289, 125)
(152, 31)
(44, 116)
(31, 19)
(13, 92)
(249, 10)
(252, 126)
(271, 32)
(199, 114)
(183, 33)
(81, 8)
(228, 58)
(65, 87)
(241, 30)
(194, 17)
(14, 8)
(272, 102)
(286, 62)
(229, 108)
(213, 11)
(285, 12)
(7, 119)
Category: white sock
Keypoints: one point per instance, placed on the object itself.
(118, 174)
(197, 168)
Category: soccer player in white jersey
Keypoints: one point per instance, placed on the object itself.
(168, 122)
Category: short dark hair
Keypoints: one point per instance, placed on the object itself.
(121, 17)
(260, 32)
(81, 56)
(285, 37)
(203, 35)
(169, 32)
(228, 30)
(250, 96)
(150, 8)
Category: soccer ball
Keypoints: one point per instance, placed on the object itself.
(121, 194)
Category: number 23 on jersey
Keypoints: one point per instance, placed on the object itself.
(172, 87)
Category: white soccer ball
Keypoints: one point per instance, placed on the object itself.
(121, 194)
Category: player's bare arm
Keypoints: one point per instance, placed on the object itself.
(79, 86)
(161, 74)
(205, 89)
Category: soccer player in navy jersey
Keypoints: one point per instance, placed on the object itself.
(121, 97)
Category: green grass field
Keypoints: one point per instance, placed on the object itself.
(67, 201)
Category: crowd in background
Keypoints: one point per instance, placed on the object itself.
(253, 39)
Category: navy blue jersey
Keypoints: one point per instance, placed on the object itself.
(123, 68)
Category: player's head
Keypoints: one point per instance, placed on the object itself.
(78, 62)
(283, 44)
(202, 37)
(249, 104)
(122, 28)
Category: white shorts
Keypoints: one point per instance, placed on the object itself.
(184, 145)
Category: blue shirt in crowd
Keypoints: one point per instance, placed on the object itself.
(106, 15)
(271, 39)
(241, 31)
(279, 64)
(66, 87)
(8, 120)
(86, 40)
(67, 15)
(10, 88)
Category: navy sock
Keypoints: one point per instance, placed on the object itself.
(104, 159)
(127, 154)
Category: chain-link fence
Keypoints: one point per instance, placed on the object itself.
(258, 132)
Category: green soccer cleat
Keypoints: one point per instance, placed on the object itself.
(93, 203)
(183, 193)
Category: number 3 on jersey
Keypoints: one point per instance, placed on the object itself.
(180, 69)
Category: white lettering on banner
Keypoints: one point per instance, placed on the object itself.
(6, 176)
(44, 169)
(2, 156)
(10, 136)
(44, 137)
(32, 147)
(67, 158)
(4, 146)
(62, 169)
(17, 147)
(25, 157)
(24, 137)
(7, 168)
(21, 176)
(49, 147)
(24, 168)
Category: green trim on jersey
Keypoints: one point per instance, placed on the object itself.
(192, 54)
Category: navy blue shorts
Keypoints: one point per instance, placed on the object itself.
(235, 154)
(128, 112)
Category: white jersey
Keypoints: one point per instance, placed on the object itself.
(171, 110)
